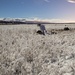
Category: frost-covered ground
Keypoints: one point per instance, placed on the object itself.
(24, 52)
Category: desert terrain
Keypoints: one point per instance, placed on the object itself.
(24, 52)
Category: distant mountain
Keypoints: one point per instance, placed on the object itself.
(15, 19)
(26, 21)
(20, 21)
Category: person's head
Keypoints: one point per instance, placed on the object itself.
(38, 24)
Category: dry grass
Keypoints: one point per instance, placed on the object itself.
(24, 52)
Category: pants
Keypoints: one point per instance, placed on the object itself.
(44, 32)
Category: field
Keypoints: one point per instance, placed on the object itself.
(24, 52)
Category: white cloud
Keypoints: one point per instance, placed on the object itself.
(71, 1)
(1, 18)
(51, 20)
(42, 20)
(46, 0)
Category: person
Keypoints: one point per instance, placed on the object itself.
(42, 28)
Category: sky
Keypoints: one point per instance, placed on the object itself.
(49, 10)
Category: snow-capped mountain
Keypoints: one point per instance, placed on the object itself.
(14, 19)
(22, 20)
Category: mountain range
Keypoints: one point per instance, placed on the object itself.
(20, 21)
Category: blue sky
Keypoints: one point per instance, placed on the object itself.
(42, 9)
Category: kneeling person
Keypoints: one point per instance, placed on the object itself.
(42, 28)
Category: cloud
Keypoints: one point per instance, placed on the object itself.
(51, 20)
(71, 1)
(41, 20)
(46, 0)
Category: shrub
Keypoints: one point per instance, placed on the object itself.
(39, 32)
(66, 28)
